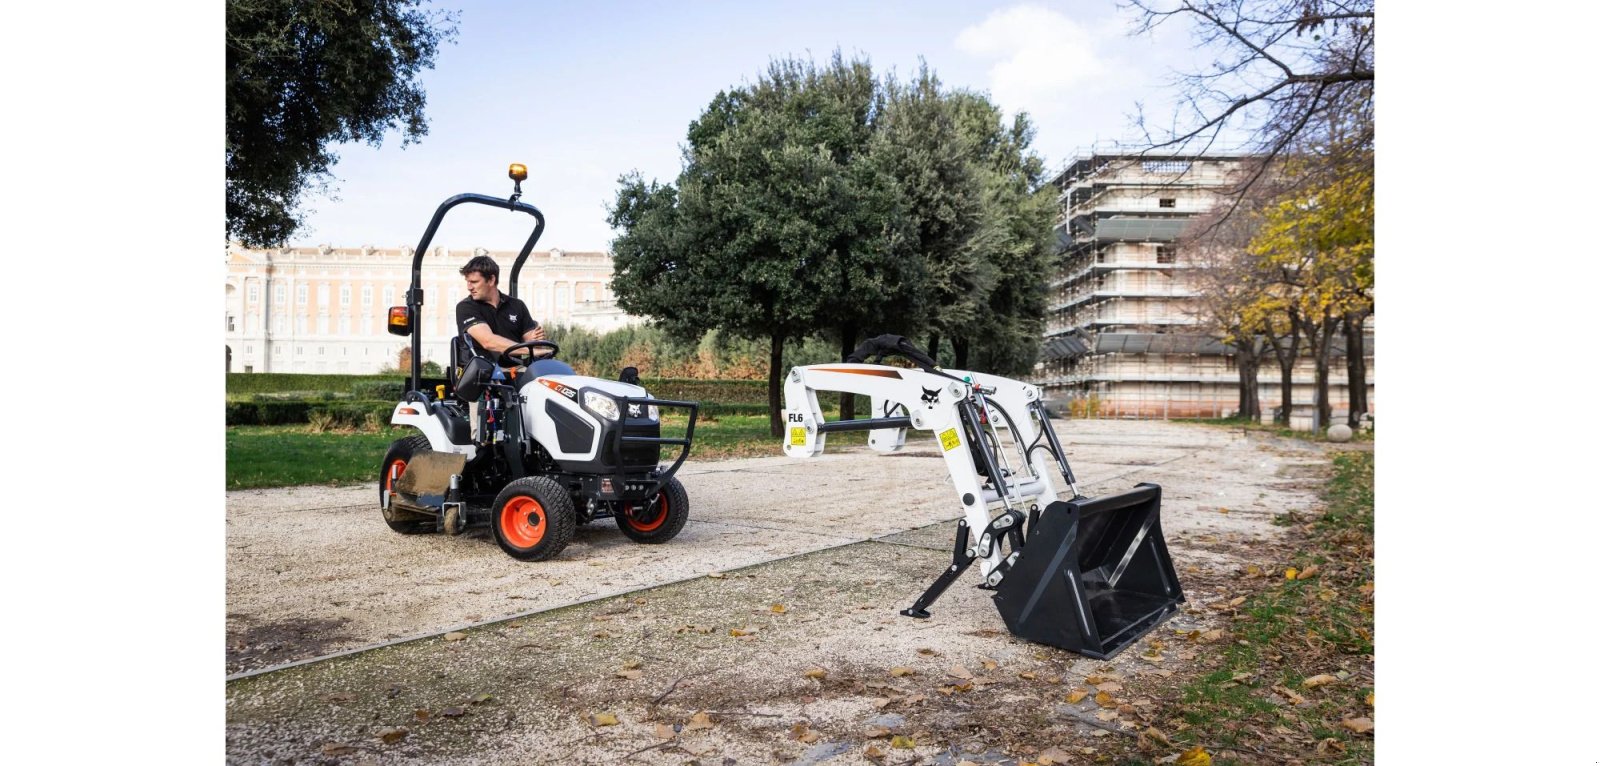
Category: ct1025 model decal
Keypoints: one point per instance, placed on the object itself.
(566, 391)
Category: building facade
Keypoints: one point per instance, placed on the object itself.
(1122, 336)
(324, 309)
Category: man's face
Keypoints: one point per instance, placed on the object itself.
(479, 288)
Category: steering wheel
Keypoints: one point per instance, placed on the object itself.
(507, 360)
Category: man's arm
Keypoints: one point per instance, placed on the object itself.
(537, 333)
(486, 338)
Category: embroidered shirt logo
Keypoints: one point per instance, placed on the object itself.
(513, 317)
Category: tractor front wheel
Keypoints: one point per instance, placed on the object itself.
(533, 518)
(394, 463)
(658, 521)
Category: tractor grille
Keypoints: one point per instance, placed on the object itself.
(637, 454)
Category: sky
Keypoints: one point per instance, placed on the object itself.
(583, 93)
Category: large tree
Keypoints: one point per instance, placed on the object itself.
(304, 75)
(775, 228)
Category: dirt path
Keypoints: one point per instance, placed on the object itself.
(840, 543)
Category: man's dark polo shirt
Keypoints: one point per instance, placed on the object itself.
(510, 319)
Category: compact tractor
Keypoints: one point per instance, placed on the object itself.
(1090, 575)
(518, 442)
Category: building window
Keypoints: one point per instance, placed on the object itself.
(366, 295)
(344, 325)
(255, 293)
(1166, 166)
(249, 368)
(299, 350)
(300, 294)
(322, 325)
(1166, 254)
(230, 323)
(278, 294)
(300, 325)
(322, 295)
(1169, 202)
(388, 295)
(320, 350)
(344, 295)
(249, 349)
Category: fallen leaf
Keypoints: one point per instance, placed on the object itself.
(393, 734)
(959, 671)
(810, 737)
(631, 675)
(1358, 725)
(779, 609)
(964, 688)
(1236, 601)
(454, 635)
(1099, 733)
(1106, 715)
(900, 671)
(881, 702)
(1109, 686)
(1054, 755)
(902, 742)
(1211, 635)
(1289, 574)
(817, 673)
(479, 699)
(1330, 745)
(873, 751)
(1100, 678)
(1104, 700)
(701, 720)
(927, 652)
(631, 664)
(1222, 510)
(514, 624)
(1369, 698)
(334, 748)
(422, 715)
(1318, 680)
(739, 633)
(1195, 756)
(990, 664)
(1076, 696)
(605, 719)
(1158, 735)
(1307, 573)
(1253, 571)
(453, 712)
(341, 697)
(602, 634)
(716, 575)
(877, 732)
(1290, 694)
(664, 731)
(1026, 676)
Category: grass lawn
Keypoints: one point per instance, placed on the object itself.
(282, 456)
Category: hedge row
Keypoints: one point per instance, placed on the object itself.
(279, 382)
(289, 413)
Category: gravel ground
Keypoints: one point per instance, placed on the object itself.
(700, 648)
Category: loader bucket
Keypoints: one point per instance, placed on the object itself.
(1094, 575)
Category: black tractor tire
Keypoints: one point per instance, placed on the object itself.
(663, 525)
(402, 450)
(533, 518)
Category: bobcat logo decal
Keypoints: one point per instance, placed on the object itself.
(930, 395)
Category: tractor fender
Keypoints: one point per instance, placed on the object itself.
(416, 415)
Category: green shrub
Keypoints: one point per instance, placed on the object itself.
(378, 389)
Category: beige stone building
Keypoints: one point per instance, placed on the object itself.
(323, 309)
(1121, 334)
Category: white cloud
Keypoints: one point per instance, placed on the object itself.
(1043, 56)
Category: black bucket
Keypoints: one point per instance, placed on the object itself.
(1094, 575)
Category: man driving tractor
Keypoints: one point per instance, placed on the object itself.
(491, 320)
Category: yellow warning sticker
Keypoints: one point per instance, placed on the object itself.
(949, 440)
(797, 436)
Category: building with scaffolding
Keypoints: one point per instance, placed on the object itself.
(1122, 337)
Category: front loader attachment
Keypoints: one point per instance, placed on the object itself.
(1093, 576)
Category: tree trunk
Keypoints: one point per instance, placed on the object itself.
(1355, 347)
(1248, 356)
(775, 386)
(962, 346)
(1286, 349)
(847, 343)
(933, 346)
(1319, 336)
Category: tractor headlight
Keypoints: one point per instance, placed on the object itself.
(601, 405)
(655, 412)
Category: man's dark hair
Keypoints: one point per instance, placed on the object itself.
(485, 266)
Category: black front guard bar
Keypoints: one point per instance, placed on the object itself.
(625, 403)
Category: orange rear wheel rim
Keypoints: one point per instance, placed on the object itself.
(522, 522)
(661, 517)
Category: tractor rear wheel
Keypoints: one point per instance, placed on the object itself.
(533, 518)
(399, 454)
(658, 522)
